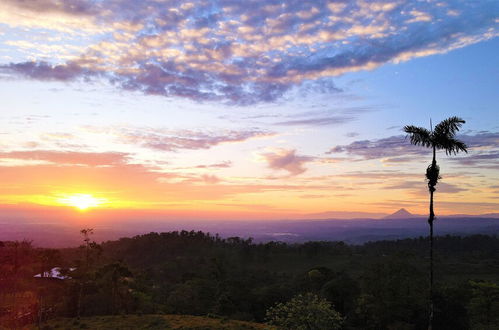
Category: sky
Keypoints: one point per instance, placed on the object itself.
(244, 109)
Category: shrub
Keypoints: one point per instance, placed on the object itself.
(305, 312)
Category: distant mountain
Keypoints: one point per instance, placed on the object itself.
(402, 214)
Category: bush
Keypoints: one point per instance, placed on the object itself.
(484, 305)
(304, 312)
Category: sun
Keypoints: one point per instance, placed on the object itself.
(81, 201)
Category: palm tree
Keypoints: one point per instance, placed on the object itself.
(441, 137)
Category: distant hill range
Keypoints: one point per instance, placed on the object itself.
(400, 214)
(344, 215)
(399, 225)
(404, 214)
(486, 215)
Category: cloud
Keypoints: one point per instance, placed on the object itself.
(73, 7)
(44, 71)
(210, 179)
(242, 52)
(482, 140)
(482, 149)
(174, 140)
(313, 196)
(389, 147)
(322, 121)
(73, 17)
(479, 159)
(224, 164)
(328, 117)
(287, 160)
(398, 160)
(422, 190)
(67, 157)
(377, 175)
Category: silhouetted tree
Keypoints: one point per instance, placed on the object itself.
(442, 137)
(91, 249)
(48, 258)
(112, 281)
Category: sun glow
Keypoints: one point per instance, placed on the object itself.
(81, 201)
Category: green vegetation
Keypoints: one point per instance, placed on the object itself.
(133, 322)
(378, 285)
(304, 312)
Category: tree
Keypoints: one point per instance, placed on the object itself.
(484, 305)
(113, 281)
(49, 258)
(82, 274)
(442, 137)
(392, 295)
(305, 312)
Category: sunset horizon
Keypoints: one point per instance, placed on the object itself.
(277, 111)
(257, 164)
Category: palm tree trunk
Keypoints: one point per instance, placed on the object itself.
(430, 221)
(431, 218)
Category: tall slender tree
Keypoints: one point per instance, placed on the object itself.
(442, 137)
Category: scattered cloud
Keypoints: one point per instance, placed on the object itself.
(482, 149)
(390, 147)
(210, 179)
(398, 160)
(321, 121)
(224, 164)
(287, 160)
(482, 140)
(421, 189)
(330, 116)
(67, 157)
(45, 71)
(174, 140)
(313, 196)
(242, 52)
(479, 159)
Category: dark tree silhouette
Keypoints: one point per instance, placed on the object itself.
(90, 249)
(442, 137)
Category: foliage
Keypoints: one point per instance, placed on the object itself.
(378, 284)
(484, 305)
(441, 137)
(305, 312)
(151, 322)
(393, 295)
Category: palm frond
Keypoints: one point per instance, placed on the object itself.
(448, 127)
(451, 145)
(419, 135)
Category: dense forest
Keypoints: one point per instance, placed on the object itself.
(378, 285)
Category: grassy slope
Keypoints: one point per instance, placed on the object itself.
(150, 322)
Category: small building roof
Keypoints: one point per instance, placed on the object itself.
(54, 273)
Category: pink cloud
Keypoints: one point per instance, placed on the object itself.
(287, 160)
(69, 157)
